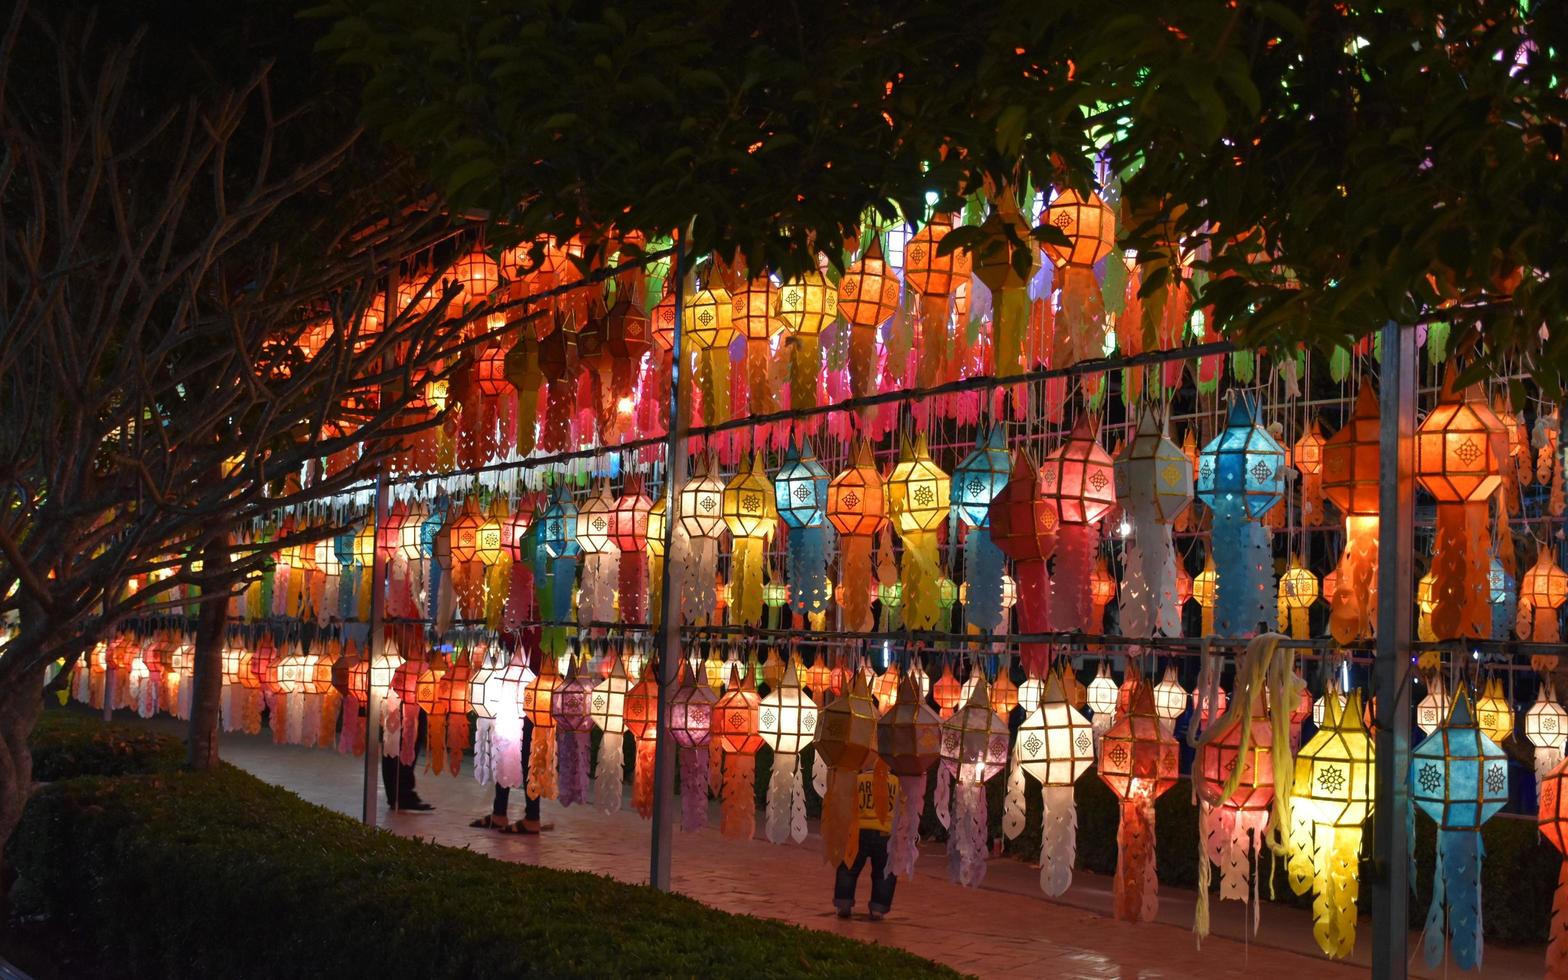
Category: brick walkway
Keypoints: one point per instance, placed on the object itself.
(1005, 928)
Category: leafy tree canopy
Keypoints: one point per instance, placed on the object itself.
(1346, 163)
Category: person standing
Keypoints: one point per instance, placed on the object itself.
(876, 792)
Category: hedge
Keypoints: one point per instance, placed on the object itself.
(178, 874)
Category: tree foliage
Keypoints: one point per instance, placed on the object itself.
(1333, 165)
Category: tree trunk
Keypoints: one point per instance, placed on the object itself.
(207, 680)
(20, 704)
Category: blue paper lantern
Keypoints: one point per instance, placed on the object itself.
(1242, 470)
(980, 476)
(1459, 778)
(801, 487)
(558, 526)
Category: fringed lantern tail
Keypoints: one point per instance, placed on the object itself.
(633, 585)
(506, 752)
(456, 741)
(840, 817)
(541, 766)
(746, 562)
(983, 564)
(797, 806)
(1034, 614)
(855, 583)
(921, 575)
(608, 776)
(967, 843)
(1136, 893)
(484, 758)
(739, 808)
(573, 749)
(904, 849)
(1337, 887)
(805, 366)
(1058, 839)
(694, 788)
(1014, 803)
(781, 792)
(806, 565)
(1456, 891)
(942, 798)
(436, 758)
(642, 778)
(1071, 599)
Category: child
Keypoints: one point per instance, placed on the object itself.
(876, 824)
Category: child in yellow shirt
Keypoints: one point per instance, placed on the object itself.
(876, 825)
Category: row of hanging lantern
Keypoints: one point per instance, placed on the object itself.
(904, 721)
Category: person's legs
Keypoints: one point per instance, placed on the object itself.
(391, 778)
(873, 843)
(844, 881)
(530, 803)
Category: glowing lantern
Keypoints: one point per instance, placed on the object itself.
(806, 306)
(629, 521)
(1024, 526)
(641, 712)
(1306, 455)
(1546, 728)
(1493, 715)
(1138, 761)
(1241, 477)
(926, 270)
(478, 274)
(658, 526)
(1553, 821)
(1432, 710)
(1090, 227)
(787, 723)
(845, 740)
(1459, 778)
(1234, 775)
(1351, 474)
(490, 547)
(801, 494)
(1298, 590)
(1333, 798)
(857, 509)
(946, 692)
(570, 709)
(974, 750)
(752, 518)
(1101, 698)
(867, 296)
(700, 522)
(558, 526)
(918, 493)
(909, 741)
(601, 557)
(1170, 698)
(1077, 479)
(1460, 449)
(1055, 746)
(735, 728)
(1542, 590)
(1153, 481)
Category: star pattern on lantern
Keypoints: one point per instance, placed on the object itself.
(1496, 780)
(924, 496)
(1429, 778)
(751, 503)
(1331, 779)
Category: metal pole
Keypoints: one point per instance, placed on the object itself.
(669, 635)
(1392, 669)
(377, 613)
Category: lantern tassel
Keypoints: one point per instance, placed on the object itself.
(1353, 606)
(781, 794)
(805, 368)
(807, 568)
(352, 736)
(601, 574)
(694, 788)
(456, 740)
(855, 583)
(797, 807)
(1334, 908)
(921, 575)
(506, 750)
(1557, 945)
(642, 778)
(862, 360)
(746, 563)
(609, 773)
(1013, 803)
(1136, 891)
(1034, 613)
(1459, 573)
(966, 844)
(436, 758)
(633, 585)
(942, 799)
(541, 766)
(484, 756)
(1456, 891)
(840, 816)
(738, 811)
(1071, 601)
(983, 572)
(904, 848)
(572, 750)
(1058, 839)
(932, 368)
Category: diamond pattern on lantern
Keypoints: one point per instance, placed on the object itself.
(598, 702)
(1097, 480)
(1548, 724)
(851, 499)
(768, 717)
(917, 255)
(1468, 451)
(1063, 220)
(1331, 779)
(790, 298)
(600, 524)
(976, 487)
(802, 492)
(1119, 755)
(1171, 475)
(1261, 471)
(1083, 741)
(751, 503)
(808, 722)
(1033, 743)
(738, 721)
(849, 287)
(705, 317)
(708, 502)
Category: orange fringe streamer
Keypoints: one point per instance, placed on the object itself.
(456, 741)
(738, 811)
(840, 816)
(1459, 566)
(1353, 606)
(435, 735)
(541, 764)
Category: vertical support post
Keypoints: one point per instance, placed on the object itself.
(1392, 668)
(669, 635)
(373, 648)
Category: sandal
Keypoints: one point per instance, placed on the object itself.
(517, 827)
(490, 822)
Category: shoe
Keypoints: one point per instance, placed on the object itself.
(874, 915)
(414, 806)
(844, 910)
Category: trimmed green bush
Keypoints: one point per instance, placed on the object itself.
(68, 743)
(177, 874)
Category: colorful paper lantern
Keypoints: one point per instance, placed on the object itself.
(1351, 475)
(1153, 482)
(735, 729)
(909, 740)
(787, 722)
(918, 492)
(1459, 778)
(1240, 477)
(845, 741)
(752, 517)
(1138, 761)
(1055, 746)
(857, 509)
(1077, 478)
(974, 751)
(1024, 526)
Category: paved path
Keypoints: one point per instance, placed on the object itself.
(1006, 928)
